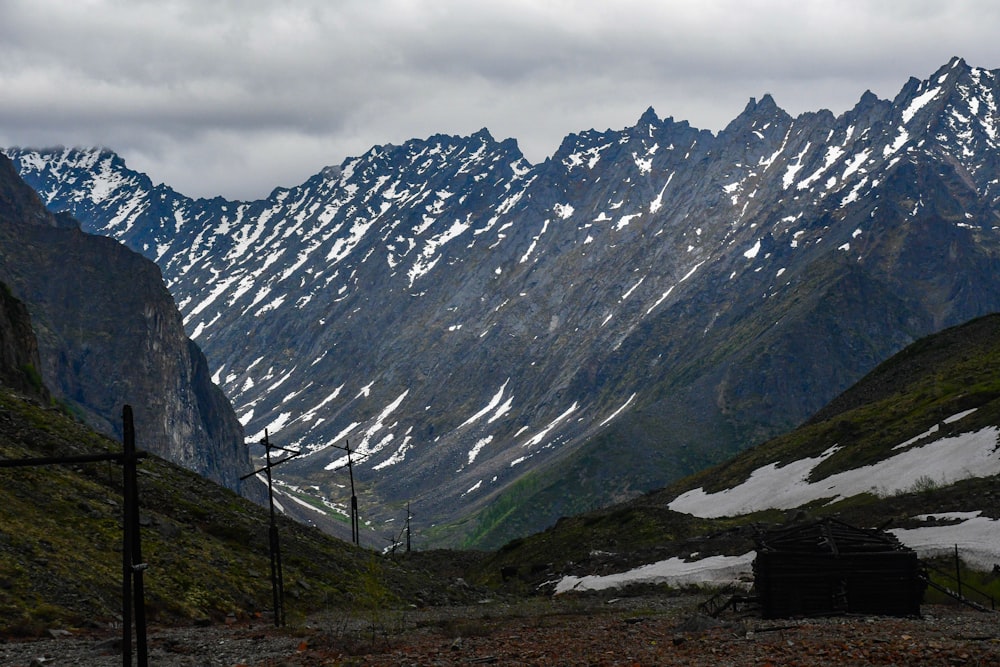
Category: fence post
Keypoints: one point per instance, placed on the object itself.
(958, 571)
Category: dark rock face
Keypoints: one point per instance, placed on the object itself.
(517, 341)
(109, 334)
(19, 360)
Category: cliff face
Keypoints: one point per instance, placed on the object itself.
(19, 361)
(109, 334)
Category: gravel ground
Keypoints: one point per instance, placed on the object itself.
(563, 631)
(223, 646)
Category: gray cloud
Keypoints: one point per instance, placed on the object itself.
(234, 97)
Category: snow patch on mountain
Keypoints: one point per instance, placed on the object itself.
(493, 405)
(918, 103)
(610, 418)
(539, 437)
(944, 461)
(369, 444)
(478, 447)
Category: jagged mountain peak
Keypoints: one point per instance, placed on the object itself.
(766, 105)
(484, 135)
(756, 118)
(868, 99)
(648, 118)
(955, 86)
(869, 110)
(656, 293)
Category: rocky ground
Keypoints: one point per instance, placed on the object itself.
(646, 630)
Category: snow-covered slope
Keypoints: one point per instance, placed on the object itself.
(940, 462)
(524, 341)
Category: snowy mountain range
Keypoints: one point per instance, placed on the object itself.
(504, 343)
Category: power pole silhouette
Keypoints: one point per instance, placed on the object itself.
(355, 523)
(397, 541)
(132, 563)
(408, 517)
(277, 578)
(133, 593)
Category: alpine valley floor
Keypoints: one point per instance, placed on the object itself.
(562, 630)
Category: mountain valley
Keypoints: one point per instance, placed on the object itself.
(588, 582)
(503, 344)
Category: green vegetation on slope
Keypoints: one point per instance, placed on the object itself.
(207, 548)
(931, 380)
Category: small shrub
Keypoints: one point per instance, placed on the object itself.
(924, 484)
(376, 600)
(36, 621)
(33, 376)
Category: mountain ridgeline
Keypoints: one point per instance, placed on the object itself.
(505, 343)
(98, 328)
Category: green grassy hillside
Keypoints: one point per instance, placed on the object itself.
(207, 548)
(916, 389)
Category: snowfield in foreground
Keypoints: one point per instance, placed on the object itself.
(673, 571)
(944, 461)
(978, 540)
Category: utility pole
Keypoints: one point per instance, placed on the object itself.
(277, 577)
(355, 522)
(132, 565)
(397, 541)
(408, 517)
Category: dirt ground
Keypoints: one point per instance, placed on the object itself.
(647, 630)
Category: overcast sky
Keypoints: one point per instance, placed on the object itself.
(236, 97)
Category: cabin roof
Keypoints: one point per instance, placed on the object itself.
(827, 536)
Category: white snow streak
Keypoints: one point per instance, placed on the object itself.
(918, 103)
(478, 447)
(618, 411)
(492, 405)
(540, 436)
